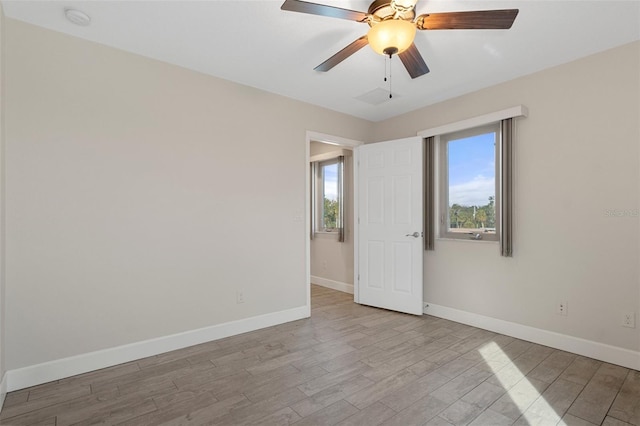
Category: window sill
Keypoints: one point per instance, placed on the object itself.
(467, 240)
(326, 235)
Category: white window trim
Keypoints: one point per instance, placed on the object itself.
(513, 112)
(319, 159)
(327, 159)
(443, 185)
(330, 155)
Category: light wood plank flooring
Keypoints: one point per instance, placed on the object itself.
(346, 365)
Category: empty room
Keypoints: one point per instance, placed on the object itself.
(396, 212)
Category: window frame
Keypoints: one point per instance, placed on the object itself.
(319, 196)
(443, 187)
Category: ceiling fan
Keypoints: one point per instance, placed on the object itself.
(393, 25)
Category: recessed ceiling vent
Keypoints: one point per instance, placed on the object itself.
(377, 96)
(77, 17)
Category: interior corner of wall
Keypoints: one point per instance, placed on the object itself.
(3, 389)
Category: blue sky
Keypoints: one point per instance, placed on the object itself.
(331, 182)
(472, 170)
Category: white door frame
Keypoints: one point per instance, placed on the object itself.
(334, 140)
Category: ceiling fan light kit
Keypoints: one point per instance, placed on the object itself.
(391, 37)
(393, 25)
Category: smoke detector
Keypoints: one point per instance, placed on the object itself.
(77, 17)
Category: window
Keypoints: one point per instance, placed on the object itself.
(469, 170)
(329, 196)
(437, 141)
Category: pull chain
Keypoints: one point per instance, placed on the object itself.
(387, 72)
(390, 95)
(385, 68)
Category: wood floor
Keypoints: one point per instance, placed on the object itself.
(346, 365)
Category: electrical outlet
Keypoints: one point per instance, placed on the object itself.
(240, 296)
(629, 319)
(562, 308)
(324, 264)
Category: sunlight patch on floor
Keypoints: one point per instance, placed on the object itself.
(524, 396)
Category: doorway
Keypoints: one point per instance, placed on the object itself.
(330, 257)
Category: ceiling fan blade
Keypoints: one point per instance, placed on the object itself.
(323, 10)
(475, 20)
(413, 62)
(343, 54)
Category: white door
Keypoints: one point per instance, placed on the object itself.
(390, 233)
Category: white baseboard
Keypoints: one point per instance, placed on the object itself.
(3, 390)
(336, 285)
(612, 354)
(54, 370)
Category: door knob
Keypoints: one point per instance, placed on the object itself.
(414, 235)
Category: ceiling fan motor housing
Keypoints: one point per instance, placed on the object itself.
(382, 10)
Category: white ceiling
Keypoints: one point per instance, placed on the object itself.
(257, 44)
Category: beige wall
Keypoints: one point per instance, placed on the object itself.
(576, 156)
(141, 196)
(331, 259)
